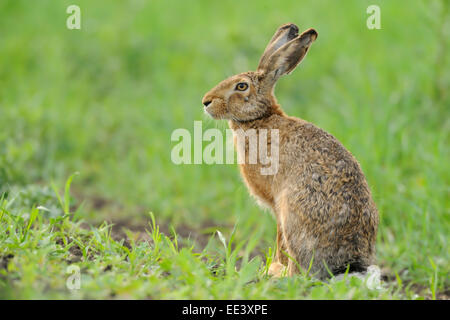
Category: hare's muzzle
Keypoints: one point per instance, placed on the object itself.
(213, 107)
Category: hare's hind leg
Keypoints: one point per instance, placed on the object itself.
(301, 248)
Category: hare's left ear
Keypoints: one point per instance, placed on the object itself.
(284, 59)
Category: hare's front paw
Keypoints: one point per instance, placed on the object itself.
(277, 270)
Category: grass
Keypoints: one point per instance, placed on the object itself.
(161, 267)
(104, 100)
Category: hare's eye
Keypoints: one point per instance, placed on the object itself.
(241, 86)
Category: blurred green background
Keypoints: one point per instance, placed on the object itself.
(105, 99)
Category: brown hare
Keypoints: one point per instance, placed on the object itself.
(326, 218)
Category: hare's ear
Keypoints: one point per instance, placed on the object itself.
(283, 35)
(287, 57)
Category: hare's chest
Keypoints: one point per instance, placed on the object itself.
(258, 185)
(257, 155)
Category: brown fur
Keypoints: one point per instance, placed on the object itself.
(319, 196)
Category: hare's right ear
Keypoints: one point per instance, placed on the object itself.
(283, 35)
(287, 55)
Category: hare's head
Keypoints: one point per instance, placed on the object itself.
(249, 96)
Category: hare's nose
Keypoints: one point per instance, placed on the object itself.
(206, 103)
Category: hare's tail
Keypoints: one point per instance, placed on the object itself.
(371, 277)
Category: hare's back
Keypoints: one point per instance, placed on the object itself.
(323, 174)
